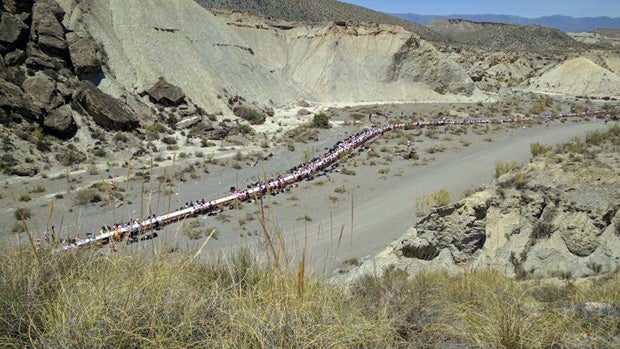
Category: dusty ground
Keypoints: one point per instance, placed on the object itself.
(333, 219)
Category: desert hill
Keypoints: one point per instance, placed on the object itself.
(593, 79)
(319, 11)
(498, 36)
(566, 24)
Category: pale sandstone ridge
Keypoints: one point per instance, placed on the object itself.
(580, 76)
(557, 217)
(215, 55)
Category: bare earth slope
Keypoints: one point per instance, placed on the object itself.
(580, 76)
(212, 55)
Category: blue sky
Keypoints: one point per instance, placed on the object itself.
(523, 8)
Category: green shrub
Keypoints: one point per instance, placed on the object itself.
(438, 198)
(38, 189)
(88, 195)
(70, 157)
(320, 120)
(120, 137)
(25, 197)
(346, 171)
(595, 138)
(99, 152)
(436, 149)
(538, 149)
(246, 129)
(253, 116)
(169, 140)
(18, 227)
(22, 214)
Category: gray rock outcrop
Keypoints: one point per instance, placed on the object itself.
(60, 122)
(86, 56)
(47, 30)
(13, 101)
(13, 32)
(107, 111)
(164, 93)
(16, 57)
(16, 6)
(545, 220)
(41, 90)
(24, 170)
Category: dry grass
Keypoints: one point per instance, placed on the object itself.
(85, 300)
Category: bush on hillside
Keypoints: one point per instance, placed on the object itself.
(538, 149)
(438, 198)
(320, 121)
(253, 116)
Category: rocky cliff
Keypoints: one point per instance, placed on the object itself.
(558, 216)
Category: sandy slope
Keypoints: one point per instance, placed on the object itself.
(580, 76)
(212, 55)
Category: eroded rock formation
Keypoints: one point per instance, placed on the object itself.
(555, 217)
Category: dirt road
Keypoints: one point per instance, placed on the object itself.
(380, 219)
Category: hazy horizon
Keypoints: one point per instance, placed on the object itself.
(523, 8)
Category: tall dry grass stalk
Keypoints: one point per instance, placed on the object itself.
(86, 300)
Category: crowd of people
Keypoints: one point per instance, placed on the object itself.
(135, 230)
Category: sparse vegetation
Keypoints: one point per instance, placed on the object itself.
(537, 149)
(347, 172)
(253, 116)
(22, 214)
(542, 230)
(320, 120)
(88, 195)
(438, 198)
(501, 168)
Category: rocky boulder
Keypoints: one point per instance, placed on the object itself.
(3, 69)
(13, 101)
(41, 90)
(37, 60)
(15, 58)
(166, 94)
(107, 111)
(218, 134)
(16, 6)
(60, 123)
(13, 32)
(47, 30)
(24, 170)
(85, 54)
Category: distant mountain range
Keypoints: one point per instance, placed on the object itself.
(563, 23)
